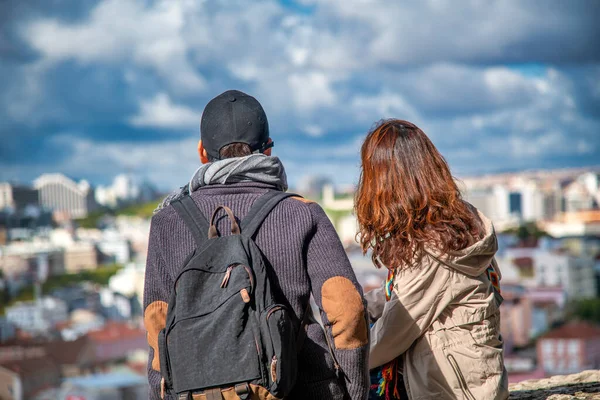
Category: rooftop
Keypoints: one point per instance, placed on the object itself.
(574, 330)
(116, 331)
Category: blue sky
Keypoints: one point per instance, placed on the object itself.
(94, 88)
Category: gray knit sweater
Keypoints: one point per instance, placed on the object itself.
(302, 246)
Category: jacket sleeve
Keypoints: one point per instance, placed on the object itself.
(375, 302)
(421, 295)
(157, 286)
(340, 300)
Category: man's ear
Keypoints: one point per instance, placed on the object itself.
(202, 153)
(267, 152)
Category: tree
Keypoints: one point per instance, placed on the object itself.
(586, 309)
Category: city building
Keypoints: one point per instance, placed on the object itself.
(83, 296)
(82, 321)
(527, 312)
(23, 379)
(17, 197)
(129, 281)
(583, 193)
(114, 247)
(28, 261)
(136, 231)
(115, 341)
(38, 316)
(574, 347)
(7, 329)
(115, 306)
(511, 199)
(330, 202)
(549, 268)
(78, 255)
(311, 186)
(579, 224)
(72, 357)
(67, 198)
(125, 189)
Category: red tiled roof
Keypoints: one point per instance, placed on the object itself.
(66, 352)
(29, 366)
(574, 330)
(116, 331)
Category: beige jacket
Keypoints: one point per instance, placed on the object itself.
(444, 320)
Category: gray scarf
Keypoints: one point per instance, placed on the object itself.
(252, 168)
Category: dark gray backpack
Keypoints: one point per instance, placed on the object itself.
(226, 327)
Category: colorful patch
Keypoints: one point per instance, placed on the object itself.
(386, 380)
(494, 278)
(389, 284)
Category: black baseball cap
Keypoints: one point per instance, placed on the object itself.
(234, 117)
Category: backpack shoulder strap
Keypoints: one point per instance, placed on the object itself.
(260, 209)
(196, 222)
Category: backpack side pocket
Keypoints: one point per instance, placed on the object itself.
(280, 340)
(163, 356)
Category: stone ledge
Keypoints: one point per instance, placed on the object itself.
(584, 385)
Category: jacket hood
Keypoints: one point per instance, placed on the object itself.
(475, 259)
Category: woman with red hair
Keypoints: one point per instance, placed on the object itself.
(436, 320)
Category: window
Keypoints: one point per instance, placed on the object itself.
(574, 365)
(573, 347)
(560, 346)
(547, 347)
(549, 365)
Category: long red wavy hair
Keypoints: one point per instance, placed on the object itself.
(407, 198)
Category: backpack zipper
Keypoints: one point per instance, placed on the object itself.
(273, 309)
(227, 276)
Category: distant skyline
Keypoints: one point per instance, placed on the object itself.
(94, 88)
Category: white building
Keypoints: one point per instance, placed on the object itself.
(495, 203)
(114, 245)
(115, 305)
(65, 196)
(539, 267)
(125, 189)
(583, 193)
(37, 259)
(38, 316)
(532, 201)
(129, 281)
(331, 203)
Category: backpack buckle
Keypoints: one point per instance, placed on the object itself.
(242, 390)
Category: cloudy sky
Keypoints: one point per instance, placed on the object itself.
(94, 88)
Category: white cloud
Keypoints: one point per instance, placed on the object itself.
(383, 105)
(336, 69)
(312, 90)
(313, 130)
(160, 112)
(168, 164)
(408, 33)
(123, 31)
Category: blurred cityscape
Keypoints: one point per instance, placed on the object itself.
(72, 260)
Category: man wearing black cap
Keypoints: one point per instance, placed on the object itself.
(296, 238)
